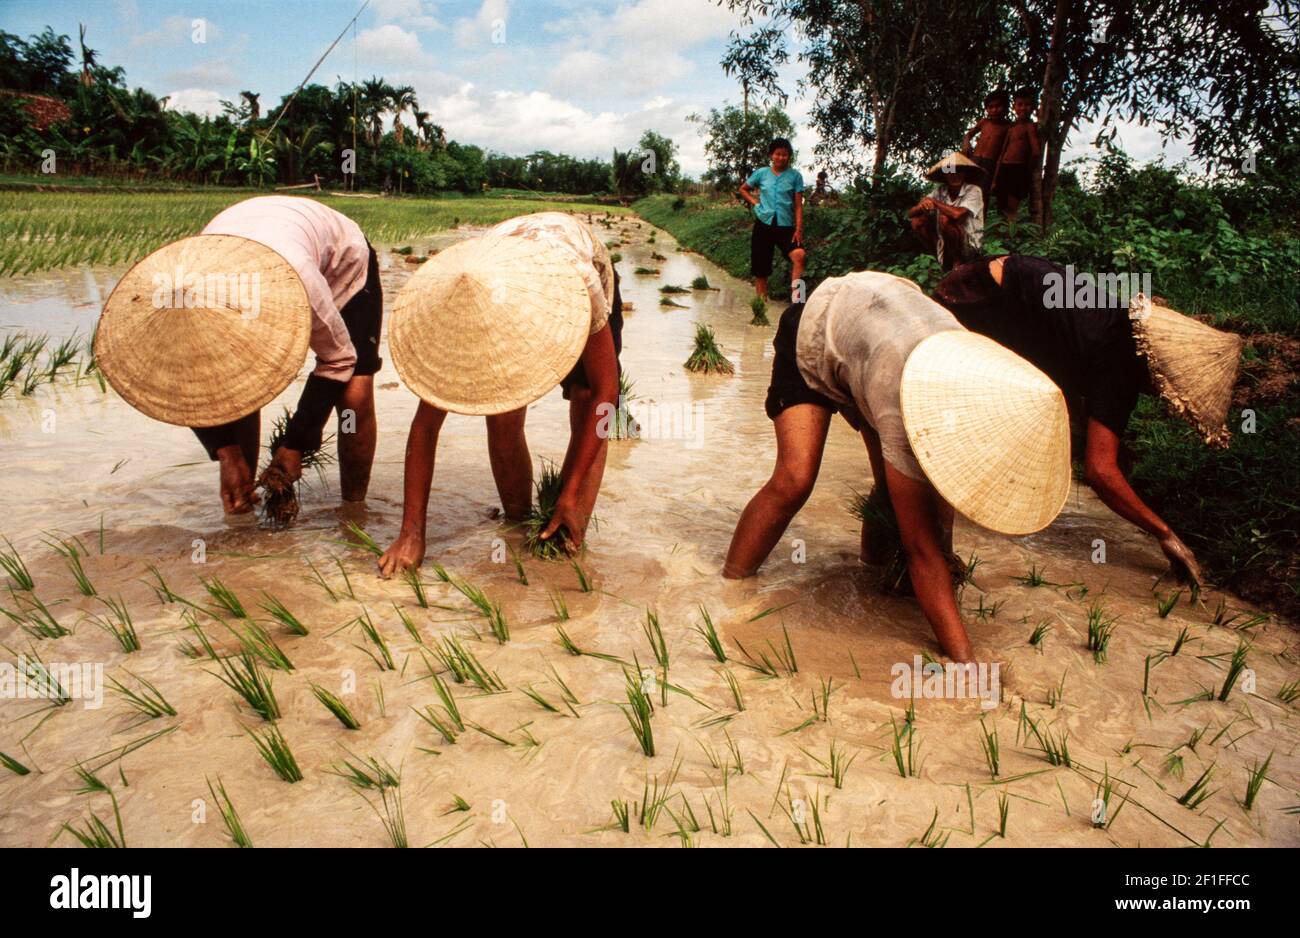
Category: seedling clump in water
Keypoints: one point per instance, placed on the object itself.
(707, 357)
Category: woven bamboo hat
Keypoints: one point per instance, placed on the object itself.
(490, 324)
(989, 429)
(1193, 366)
(204, 330)
(950, 164)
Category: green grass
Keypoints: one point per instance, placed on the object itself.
(335, 706)
(706, 357)
(118, 623)
(281, 614)
(11, 562)
(243, 674)
(274, 749)
(229, 816)
(710, 635)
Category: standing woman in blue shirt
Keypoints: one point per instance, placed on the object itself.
(776, 193)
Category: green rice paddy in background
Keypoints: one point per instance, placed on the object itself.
(47, 230)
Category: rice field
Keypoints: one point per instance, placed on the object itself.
(50, 230)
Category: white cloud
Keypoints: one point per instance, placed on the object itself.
(389, 44)
(492, 20)
(213, 73)
(201, 101)
(410, 13)
(177, 29)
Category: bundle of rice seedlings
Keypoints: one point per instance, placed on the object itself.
(646, 271)
(547, 489)
(665, 301)
(759, 307)
(673, 288)
(279, 493)
(224, 598)
(35, 618)
(274, 748)
(256, 639)
(392, 816)
(701, 283)
(229, 816)
(1100, 630)
(96, 833)
(707, 357)
(884, 542)
(639, 711)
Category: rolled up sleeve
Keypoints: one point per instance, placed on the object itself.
(336, 358)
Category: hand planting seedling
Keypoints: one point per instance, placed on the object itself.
(279, 491)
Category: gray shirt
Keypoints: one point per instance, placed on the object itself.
(855, 335)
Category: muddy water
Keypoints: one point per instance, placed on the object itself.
(666, 514)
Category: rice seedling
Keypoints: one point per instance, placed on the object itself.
(784, 657)
(585, 583)
(518, 564)
(1055, 749)
(361, 540)
(1034, 578)
(758, 306)
(701, 283)
(243, 674)
(638, 712)
(148, 700)
(412, 578)
(1039, 633)
(706, 356)
(274, 749)
(821, 701)
(161, 590)
(1255, 779)
(225, 599)
(1174, 765)
(384, 658)
(655, 255)
(711, 637)
(278, 611)
(1235, 667)
(983, 613)
(11, 562)
(367, 773)
(320, 581)
(1004, 811)
(13, 765)
(392, 815)
(488, 609)
(989, 744)
(1102, 816)
(229, 816)
(932, 837)
(624, 426)
(118, 623)
(1056, 695)
(670, 288)
(441, 723)
(335, 706)
(905, 748)
(1196, 795)
(71, 553)
(1100, 630)
(547, 490)
(737, 698)
(1166, 604)
(458, 804)
(646, 271)
(655, 636)
(465, 668)
(885, 542)
(409, 624)
(1289, 693)
(42, 682)
(560, 606)
(36, 619)
(96, 834)
(256, 639)
(536, 697)
(1179, 642)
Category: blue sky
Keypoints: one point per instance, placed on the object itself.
(574, 76)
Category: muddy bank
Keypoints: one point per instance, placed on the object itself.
(666, 514)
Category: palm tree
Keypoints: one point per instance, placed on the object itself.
(254, 107)
(87, 61)
(402, 99)
(376, 96)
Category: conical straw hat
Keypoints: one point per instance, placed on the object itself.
(949, 164)
(989, 429)
(1192, 365)
(490, 324)
(204, 330)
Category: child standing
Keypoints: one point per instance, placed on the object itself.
(778, 215)
(1019, 155)
(992, 133)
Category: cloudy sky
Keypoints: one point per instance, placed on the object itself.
(573, 76)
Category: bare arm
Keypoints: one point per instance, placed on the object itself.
(747, 194)
(421, 447)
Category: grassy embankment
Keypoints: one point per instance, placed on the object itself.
(44, 230)
(1238, 509)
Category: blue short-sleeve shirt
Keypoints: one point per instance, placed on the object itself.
(775, 195)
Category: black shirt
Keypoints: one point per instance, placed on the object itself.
(1088, 351)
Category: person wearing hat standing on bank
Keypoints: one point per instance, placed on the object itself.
(314, 281)
(1103, 355)
(491, 325)
(901, 370)
(949, 222)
